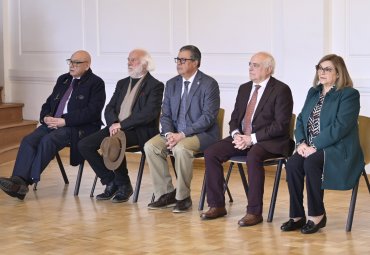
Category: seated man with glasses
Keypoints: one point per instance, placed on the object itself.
(71, 112)
(189, 124)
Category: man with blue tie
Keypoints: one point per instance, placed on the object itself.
(71, 112)
(189, 124)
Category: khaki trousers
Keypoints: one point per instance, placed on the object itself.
(156, 154)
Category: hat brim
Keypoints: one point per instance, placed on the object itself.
(109, 164)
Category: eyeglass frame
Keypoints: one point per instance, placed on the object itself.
(183, 60)
(74, 63)
(327, 69)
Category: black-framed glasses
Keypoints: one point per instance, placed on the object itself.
(73, 62)
(320, 69)
(182, 60)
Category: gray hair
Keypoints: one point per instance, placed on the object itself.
(147, 60)
(269, 61)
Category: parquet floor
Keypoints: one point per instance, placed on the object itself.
(52, 221)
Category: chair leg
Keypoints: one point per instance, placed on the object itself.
(139, 177)
(275, 190)
(202, 194)
(366, 179)
(93, 186)
(79, 176)
(352, 206)
(244, 179)
(226, 183)
(61, 167)
(173, 164)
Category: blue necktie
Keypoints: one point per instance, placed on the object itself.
(64, 99)
(181, 124)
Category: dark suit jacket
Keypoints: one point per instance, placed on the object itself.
(145, 111)
(201, 108)
(84, 107)
(271, 118)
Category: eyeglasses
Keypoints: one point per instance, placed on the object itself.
(323, 70)
(182, 60)
(74, 63)
(254, 65)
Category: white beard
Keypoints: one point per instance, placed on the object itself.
(136, 72)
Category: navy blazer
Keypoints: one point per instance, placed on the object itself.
(84, 107)
(201, 109)
(271, 118)
(145, 110)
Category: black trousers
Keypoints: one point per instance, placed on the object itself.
(89, 147)
(37, 150)
(297, 169)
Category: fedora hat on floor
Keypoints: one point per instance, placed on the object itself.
(113, 150)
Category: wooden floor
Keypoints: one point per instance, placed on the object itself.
(52, 221)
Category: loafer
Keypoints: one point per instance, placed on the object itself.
(14, 186)
(292, 225)
(250, 220)
(214, 213)
(182, 205)
(165, 201)
(109, 192)
(311, 227)
(123, 194)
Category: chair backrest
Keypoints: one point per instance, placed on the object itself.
(220, 121)
(363, 127)
(292, 126)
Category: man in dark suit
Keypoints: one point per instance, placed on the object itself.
(189, 124)
(259, 128)
(71, 112)
(134, 108)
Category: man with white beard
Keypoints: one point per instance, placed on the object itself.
(134, 109)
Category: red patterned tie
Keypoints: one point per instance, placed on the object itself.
(249, 111)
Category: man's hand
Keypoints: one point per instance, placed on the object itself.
(54, 123)
(113, 129)
(242, 142)
(173, 139)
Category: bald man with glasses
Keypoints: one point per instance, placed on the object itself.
(71, 112)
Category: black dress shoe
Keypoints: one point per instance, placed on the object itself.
(14, 186)
(109, 192)
(182, 205)
(311, 228)
(123, 194)
(291, 225)
(165, 201)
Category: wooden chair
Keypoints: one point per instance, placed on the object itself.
(65, 178)
(240, 160)
(200, 154)
(363, 124)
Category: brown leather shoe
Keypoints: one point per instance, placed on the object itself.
(250, 220)
(213, 213)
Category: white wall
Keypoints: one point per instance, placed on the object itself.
(40, 34)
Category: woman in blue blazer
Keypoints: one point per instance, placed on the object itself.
(328, 150)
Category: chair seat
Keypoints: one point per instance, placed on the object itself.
(243, 159)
